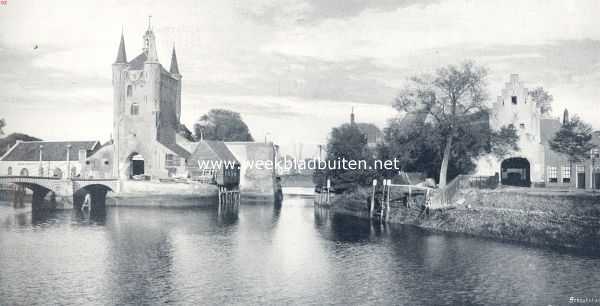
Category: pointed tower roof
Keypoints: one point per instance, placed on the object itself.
(352, 120)
(150, 43)
(121, 55)
(174, 66)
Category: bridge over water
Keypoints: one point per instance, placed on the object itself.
(70, 191)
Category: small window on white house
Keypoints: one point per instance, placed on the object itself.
(552, 175)
(566, 174)
(135, 109)
(595, 153)
(522, 125)
(82, 154)
(129, 90)
(513, 99)
(9, 171)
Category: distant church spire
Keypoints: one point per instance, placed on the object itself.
(150, 43)
(566, 116)
(352, 121)
(121, 55)
(174, 66)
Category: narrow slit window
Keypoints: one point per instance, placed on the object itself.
(135, 109)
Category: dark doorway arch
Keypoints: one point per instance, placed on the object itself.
(24, 172)
(516, 171)
(136, 165)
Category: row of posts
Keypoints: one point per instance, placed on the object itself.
(384, 208)
(229, 199)
(324, 195)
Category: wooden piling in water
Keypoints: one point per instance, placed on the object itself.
(372, 200)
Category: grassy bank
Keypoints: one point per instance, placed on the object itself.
(552, 219)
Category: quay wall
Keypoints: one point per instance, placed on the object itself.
(569, 220)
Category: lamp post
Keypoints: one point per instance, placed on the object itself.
(41, 165)
(69, 161)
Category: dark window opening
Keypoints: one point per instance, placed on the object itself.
(129, 90)
(513, 99)
(135, 109)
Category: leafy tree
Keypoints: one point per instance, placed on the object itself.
(223, 125)
(185, 132)
(504, 141)
(419, 146)
(574, 139)
(542, 99)
(347, 142)
(448, 97)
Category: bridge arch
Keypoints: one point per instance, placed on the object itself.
(97, 195)
(39, 193)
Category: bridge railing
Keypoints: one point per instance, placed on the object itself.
(29, 177)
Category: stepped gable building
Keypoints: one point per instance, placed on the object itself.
(535, 163)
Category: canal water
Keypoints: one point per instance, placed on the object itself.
(263, 255)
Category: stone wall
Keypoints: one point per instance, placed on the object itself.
(253, 180)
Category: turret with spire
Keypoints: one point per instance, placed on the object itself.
(565, 116)
(352, 120)
(174, 66)
(121, 54)
(150, 43)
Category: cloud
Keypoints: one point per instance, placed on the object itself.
(283, 63)
(315, 11)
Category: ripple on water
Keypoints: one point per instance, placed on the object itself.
(263, 255)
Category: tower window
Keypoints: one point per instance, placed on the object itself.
(135, 109)
(129, 90)
(522, 125)
(513, 99)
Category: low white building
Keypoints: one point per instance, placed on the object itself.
(47, 158)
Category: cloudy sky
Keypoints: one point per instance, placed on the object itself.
(292, 68)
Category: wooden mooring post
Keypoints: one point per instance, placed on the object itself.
(372, 207)
(387, 209)
(229, 198)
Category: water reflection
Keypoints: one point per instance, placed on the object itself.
(264, 254)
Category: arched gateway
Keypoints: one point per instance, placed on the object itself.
(516, 172)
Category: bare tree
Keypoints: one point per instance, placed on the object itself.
(449, 96)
